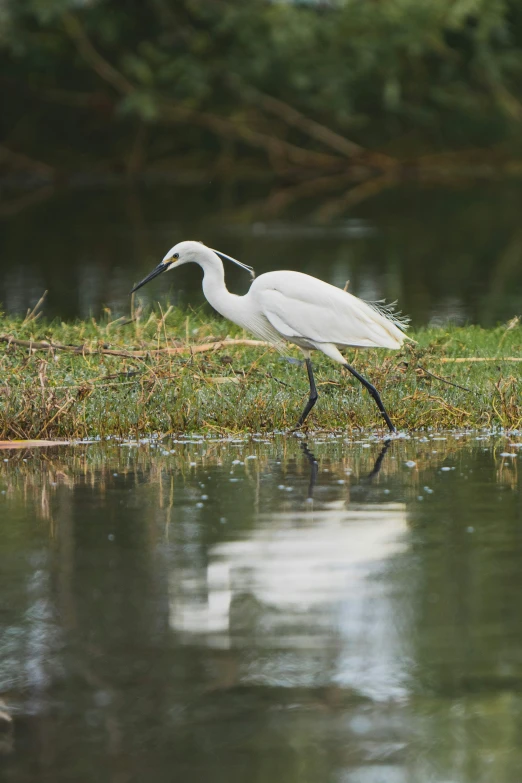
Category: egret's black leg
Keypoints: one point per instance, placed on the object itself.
(375, 394)
(313, 394)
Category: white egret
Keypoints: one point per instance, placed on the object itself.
(291, 307)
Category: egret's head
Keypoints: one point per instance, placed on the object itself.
(177, 255)
(184, 253)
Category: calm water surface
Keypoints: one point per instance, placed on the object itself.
(447, 254)
(242, 610)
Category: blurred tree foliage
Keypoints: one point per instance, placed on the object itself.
(159, 83)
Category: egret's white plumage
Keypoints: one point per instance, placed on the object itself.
(290, 307)
(314, 314)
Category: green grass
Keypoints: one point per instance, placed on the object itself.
(86, 393)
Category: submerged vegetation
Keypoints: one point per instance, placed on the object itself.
(178, 372)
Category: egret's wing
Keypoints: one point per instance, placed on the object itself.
(300, 306)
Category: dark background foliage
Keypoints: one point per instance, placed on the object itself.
(139, 84)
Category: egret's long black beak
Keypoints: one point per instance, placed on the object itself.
(155, 272)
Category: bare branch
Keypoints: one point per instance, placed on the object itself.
(14, 206)
(291, 116)
(464, 359)
(20, 161)
(97, 62)
(176, 112)
(284, 196)
(444, 380)
(356, 195)
(43, 345)
(235, 130)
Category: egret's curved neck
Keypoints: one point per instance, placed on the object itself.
(215, 290)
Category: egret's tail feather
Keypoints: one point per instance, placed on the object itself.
(387, 309)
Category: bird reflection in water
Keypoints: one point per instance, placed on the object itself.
(314, 465)
(307, 583)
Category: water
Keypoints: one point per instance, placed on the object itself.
(447, 254)
(262, 609)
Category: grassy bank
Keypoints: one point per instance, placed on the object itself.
(179, 372)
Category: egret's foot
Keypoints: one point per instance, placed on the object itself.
(390, 424)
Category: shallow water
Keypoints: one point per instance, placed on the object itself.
(446, 254)
(263, 609)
